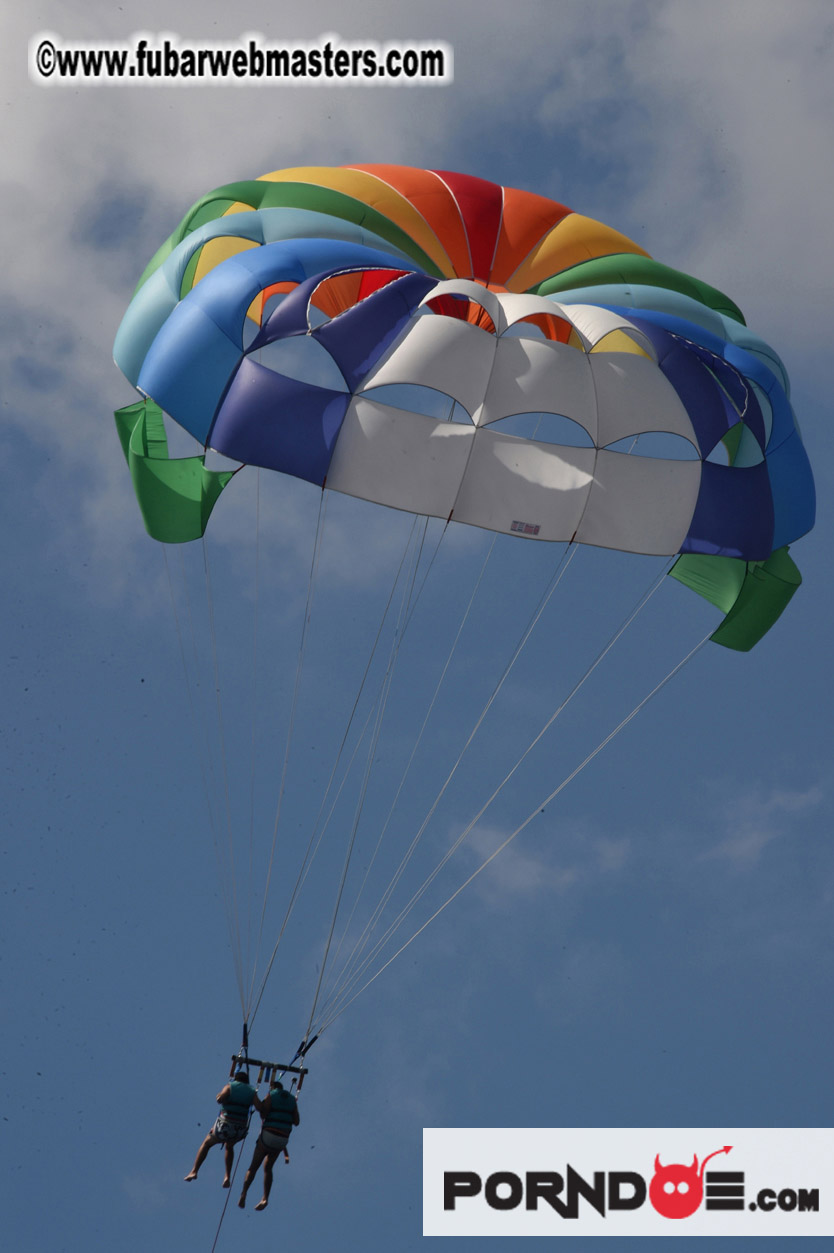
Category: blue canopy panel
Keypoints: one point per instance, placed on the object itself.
(783, 419)
(707, 404)
(191, 361)
(279, 423)
(771, 378)
(662, 305)
(733, 515)
(161, 292)
(740, 400)
(794, 496)
(359, 337)
(737, 505)
(270, 420)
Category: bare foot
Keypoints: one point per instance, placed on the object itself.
(227, 1183)
(261, 1205)
(242, 1201)
(190, 1178)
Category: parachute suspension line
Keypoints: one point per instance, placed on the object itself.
(537, 810)
(351, 979)
(230, 1189)
(372, 921)
(406, 608)
(313, 842)
(377, 712)
(318, 832)
(346, 976)
(360, 739)
(196, 724)
(235, 924)
(397, 922)
(412, 605)
(253, 749)
(308, 609)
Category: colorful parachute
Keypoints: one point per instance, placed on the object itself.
(437, 343)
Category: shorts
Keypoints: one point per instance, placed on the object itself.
(227, 1130)
(273, 1141)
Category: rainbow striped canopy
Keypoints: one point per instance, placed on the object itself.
(434, 342)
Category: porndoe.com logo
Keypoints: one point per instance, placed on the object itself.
(627, 1182)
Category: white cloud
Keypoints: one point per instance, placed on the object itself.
(541, 863)
(754, 821)
(516, 871)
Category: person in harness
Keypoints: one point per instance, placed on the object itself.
(235, 1101)
(280, 1114)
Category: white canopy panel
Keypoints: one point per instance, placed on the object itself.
(522, 486)
(402, 459)
(640, 504)
(502, 482)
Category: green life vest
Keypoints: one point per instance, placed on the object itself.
(282, 1107)
(239, 1101)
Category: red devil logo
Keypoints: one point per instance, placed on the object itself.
(676, 1191)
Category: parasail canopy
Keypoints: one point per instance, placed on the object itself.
(434, 342)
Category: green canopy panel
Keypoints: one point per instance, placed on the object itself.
(633, 268)
(176, 496)
(752, 594)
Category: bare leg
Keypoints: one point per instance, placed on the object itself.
(257, 1158)
(229, 1156)
(201, 1156)
(270, 1158)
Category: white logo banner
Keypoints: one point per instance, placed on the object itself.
(644, 1181)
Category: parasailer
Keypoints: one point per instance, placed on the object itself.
(235, 1100)
(279, 1113)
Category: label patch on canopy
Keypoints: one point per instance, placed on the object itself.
(525, 528)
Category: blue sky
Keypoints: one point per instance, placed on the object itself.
(654, 949)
